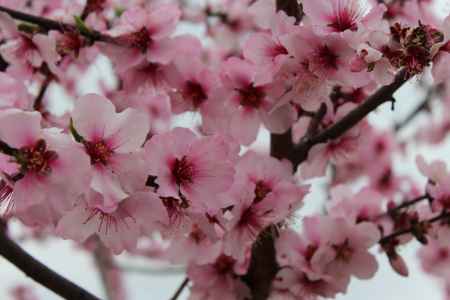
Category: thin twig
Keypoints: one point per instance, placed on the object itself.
(444, 215)
(3, 64)
(37, 105)
(382, 95)
(180, 289)
(314, 124)
(49, 24)
(408, 204)
(39, 272)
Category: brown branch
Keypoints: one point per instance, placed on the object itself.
(3, 64)
(408, 203)
(263, 265)
(49, 24)
(292, 8)
(180, 289)
(37, 105)
(382, 95)
(39, 272)
(410, 230)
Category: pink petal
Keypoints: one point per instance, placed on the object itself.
(94, 117)
(19, 128)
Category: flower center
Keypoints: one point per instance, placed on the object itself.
(224, 264)
(310, 251)
(342, 21)
(261, 191)
(69, 43)
(327, 58)
(36, 159)
(182, 171)
(279, 50)
(343, 252)
(98, 151)
(195, 92)
(140, 39)
(197, 235)
(251, 96)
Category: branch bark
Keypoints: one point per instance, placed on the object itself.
(180, 289)
(444, 216)
(263, 265)
(49, 24)
(382, 95)
(39, 272)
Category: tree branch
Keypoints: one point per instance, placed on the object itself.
(37, 105)
(180, 289)
(49, 24)
(408, 204)
(292, 8)
(263, 265)
(39, 272)
(386, 239)
(384, 94)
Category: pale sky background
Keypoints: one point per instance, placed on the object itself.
(63, 257)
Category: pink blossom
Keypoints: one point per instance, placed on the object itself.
(120, 229)
(194, 85)
(440, 61)
(26, 52)
(19, 99)
(261, 198)
(343, 16)
(45, 159)
(112, 141)
(155, 104)
(190, 168)
(333, 250)
(251, 103)
(327, 57)
(291, 284)
(348, 250)
(338, 151)
(23, 293)
(217, 279)
(146, 31)
(438, 181)
(196, 248)
(366, 205)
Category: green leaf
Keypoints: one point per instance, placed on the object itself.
(81, 26)
(75, 133)
(118, 11)
(28, 28)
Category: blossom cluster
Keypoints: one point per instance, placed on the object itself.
(114, 169)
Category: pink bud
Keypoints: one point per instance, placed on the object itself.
(399, 265)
